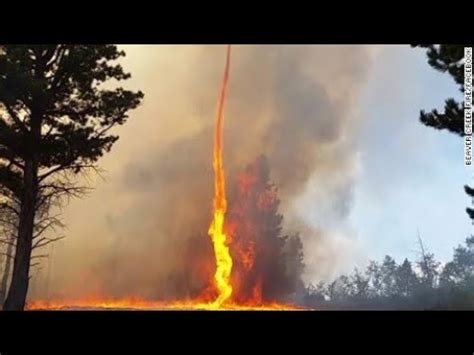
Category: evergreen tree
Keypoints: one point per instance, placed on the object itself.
(448, 59)
(460, 271)
(267, 265)
(360, 285)
(375, 276)
(388, 270)
(405, 279)
(428, 267)
(387, 285)
(55, 121)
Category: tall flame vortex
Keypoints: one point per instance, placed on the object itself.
(216, 229)
(219, 239)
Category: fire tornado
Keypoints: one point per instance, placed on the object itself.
(216, 229)
(252, 218)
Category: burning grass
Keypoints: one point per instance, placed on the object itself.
(140, 304)
(249, 253)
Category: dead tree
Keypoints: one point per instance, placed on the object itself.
(9, 208)
(428, 266)
(8, 228)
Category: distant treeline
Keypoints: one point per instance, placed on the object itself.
(425, 284)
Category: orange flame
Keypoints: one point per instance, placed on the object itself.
(216, 229)
(219, 233)
(134, 303)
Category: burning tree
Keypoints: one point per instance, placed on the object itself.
(267, 265)
(55, 120)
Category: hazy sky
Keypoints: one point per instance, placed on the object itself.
(412, 176)
(358, 173)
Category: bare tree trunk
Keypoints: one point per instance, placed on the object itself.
(6, 271)
(21, 267)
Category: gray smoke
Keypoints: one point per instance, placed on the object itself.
(294, 104)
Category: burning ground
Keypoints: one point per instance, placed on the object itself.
(143, 232)
(266, 265)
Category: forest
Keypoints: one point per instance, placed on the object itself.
(55, 126)
(423, 284)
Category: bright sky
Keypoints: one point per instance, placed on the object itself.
(412, 176)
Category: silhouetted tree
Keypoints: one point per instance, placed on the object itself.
(374, 273)
(428, 267)
(405, 279)
(316, 294)
(360, 285)
(7, 264)
(388, 270)
(470, 192)
(341, 289)
(8, 230)
(448, 58)
(55, 121)
(460, 271)
(387, 285)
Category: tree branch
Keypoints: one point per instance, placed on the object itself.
(45, 227)
(64, 167)
(40, 256)
(7, 255)
(16, 118)
(7, 155)
(45, 241)
(9, 208)
(57, 56)
(7, 242)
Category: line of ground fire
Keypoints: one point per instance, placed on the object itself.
(216, 230)
(221, 296)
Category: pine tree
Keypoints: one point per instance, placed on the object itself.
(267, 264)
(55, 122)
(448, 59)
(405, 279)
(388, 270)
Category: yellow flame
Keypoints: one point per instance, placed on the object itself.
(221, 251)
(216, 229)
(133, 303)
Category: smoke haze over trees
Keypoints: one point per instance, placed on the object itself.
(425, 284)
(294, 104)
(422, 284)
(143, 231)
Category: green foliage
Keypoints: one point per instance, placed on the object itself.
(448, 59)
(388, 270)
(56, 116)
(452, 119)
(470, 192)
(54, 104)
(57, 107)
(428, 267)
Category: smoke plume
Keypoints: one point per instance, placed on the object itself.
(293, 104)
